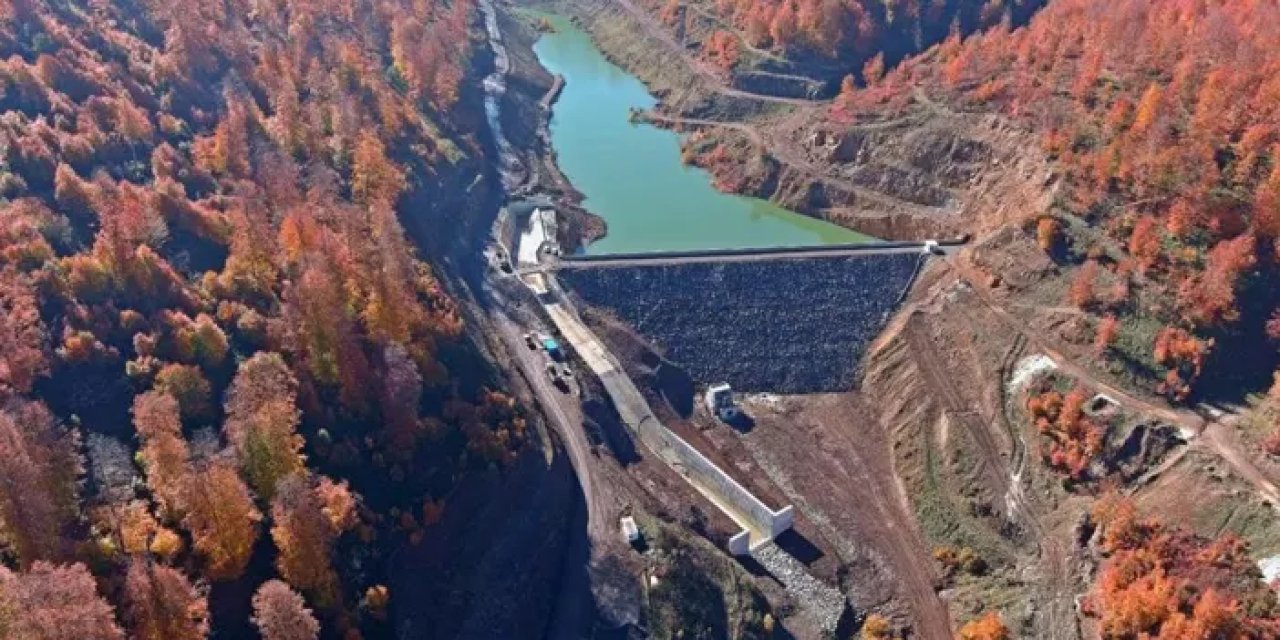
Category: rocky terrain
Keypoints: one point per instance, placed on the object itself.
(784, 326)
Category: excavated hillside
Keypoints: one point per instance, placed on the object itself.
(941, 396)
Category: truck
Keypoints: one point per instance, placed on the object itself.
(553, 349)
(719, 402)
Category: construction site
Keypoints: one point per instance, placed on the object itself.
(787, 441)
(682, 403)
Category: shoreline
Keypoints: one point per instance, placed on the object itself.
(545, 179)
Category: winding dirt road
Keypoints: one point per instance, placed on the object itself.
(713, 78)
(789, 156)
(1212, 435)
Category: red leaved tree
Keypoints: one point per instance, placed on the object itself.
(39, 467)
(161, 604)
(306, 524)
(23, 357)
(280, 613)
(54, 602)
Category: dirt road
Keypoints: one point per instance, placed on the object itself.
(712, 77)
(506, 295)
(1212, 435)
(785, 153)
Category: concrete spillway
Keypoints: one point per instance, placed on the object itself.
(760, 523)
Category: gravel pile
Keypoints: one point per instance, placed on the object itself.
(787, 326)
(825, 604)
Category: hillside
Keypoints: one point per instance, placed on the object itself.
(807, 47)
(230, 387)
(1080, 407)
(1155, 124)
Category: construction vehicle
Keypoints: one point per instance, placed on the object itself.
(719, 401)
(557, 378)
(552, 347)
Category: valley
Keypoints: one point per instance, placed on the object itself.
(932, 394)
(672, 319)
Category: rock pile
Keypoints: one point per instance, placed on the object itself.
(786, 326)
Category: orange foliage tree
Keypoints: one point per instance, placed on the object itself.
(222, 520)
(987, 627)
(157, 419)
(843, 107)
(1048, 234)
(1105, 335)
(1074, 438)
(189, 387)
(1165, 582)
(262, 422)
(161, 604)
(1082, 293)
(723, 50)
(1183, 355)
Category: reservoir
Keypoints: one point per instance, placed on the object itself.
(632, 174)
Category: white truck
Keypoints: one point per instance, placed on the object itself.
(719, 402)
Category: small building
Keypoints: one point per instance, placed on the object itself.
(719, 401)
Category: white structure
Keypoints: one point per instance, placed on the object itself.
(629, 529)
(1270, 570)
(539, 237)
(719, 401)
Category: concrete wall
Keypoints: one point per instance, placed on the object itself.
(762, 523)
(704, 473)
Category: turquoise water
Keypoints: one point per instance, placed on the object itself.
(632, 175)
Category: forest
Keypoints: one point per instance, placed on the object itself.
(838, 34)
(1164, 121)
(218, 349)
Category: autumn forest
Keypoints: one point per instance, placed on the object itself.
(236, 380)
(214, 334)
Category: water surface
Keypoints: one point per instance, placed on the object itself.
(632, 175)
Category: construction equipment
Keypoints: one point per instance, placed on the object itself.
(629, 529)
(719, 401)
(552, 347)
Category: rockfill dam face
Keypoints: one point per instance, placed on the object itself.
(782, 326)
